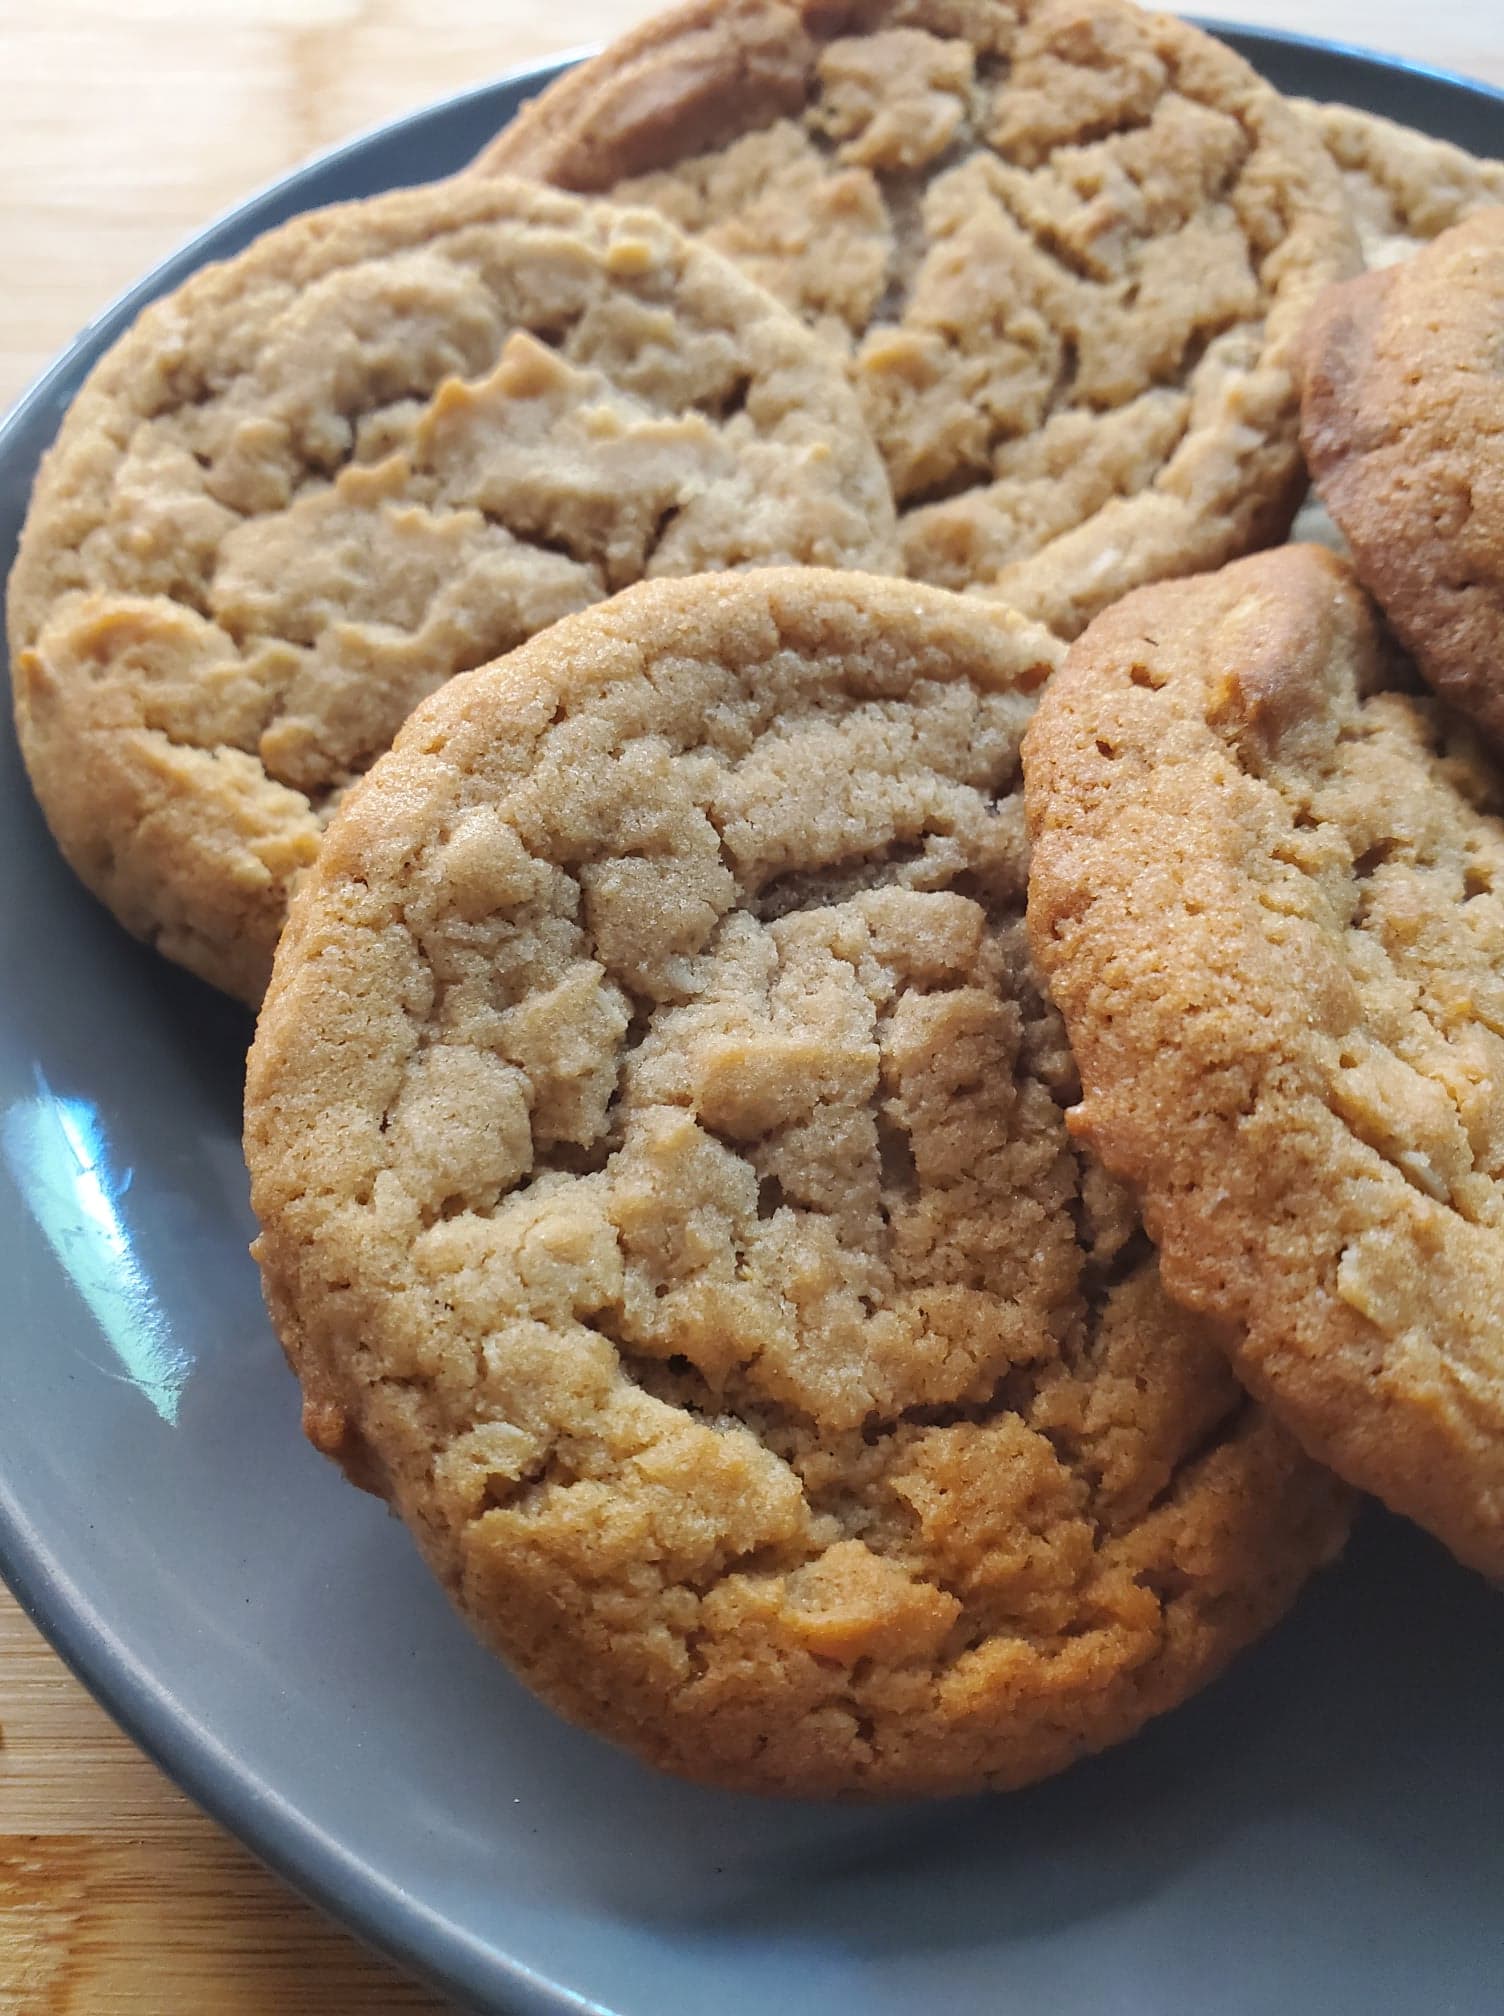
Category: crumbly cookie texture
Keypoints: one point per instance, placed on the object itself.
(1267, 891)
(1405, 188)
(388, 442)
(657, 1132)
(1402, 422)
(1067, 246)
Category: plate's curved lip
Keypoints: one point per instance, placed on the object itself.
(312, 1861)
(189, 256)
(387, 1916)
(308, 1858)
(1349, 52)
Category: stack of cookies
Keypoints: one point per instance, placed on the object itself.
(880, 1073)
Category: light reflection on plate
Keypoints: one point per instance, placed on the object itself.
(59, 1158)
(1321, 1830)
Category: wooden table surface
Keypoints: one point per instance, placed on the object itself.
(127, 124)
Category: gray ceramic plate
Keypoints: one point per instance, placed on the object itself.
(1322, 1831)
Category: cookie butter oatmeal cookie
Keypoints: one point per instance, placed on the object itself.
(1402, 421)
(1268, 894)
(657, 1133)
(1068, 246)
(384, 444)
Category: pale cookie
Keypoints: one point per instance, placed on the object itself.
(1068, 247)
(384, 444)
(657, 1133)
(1405, 188)
(1268, 894)
(1402, 421)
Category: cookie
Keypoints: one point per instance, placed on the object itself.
(657, 1133)
(388, 442)
(1405, 188)
(1068, 247)
(1402, 422)
(1267, 892)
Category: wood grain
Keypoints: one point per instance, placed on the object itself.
(127, 124)
(118, 1898)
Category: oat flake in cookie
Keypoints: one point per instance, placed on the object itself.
(1268, 894)
(386, 443)
(657, 1134)
(1068, 246)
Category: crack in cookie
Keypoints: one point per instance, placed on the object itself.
(1405, 188)
(1265, 893)
(1067, 248)
(382, 446)
(785, 1394)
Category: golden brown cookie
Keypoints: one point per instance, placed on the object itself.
(384, 444)
(1268, 895)
(1069, 247)
(1405, 188)
(1402, 422)
(657, 1133)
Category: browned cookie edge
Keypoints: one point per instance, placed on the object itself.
(1257, 1518)
(1402, 409)
(1191, 989)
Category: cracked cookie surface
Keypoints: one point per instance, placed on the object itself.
(386, 443)
(1402, 421)
(1267, 891)
(1067, 247)
(1404, 187)
(657, 1133)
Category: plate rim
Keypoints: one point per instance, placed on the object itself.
(323, 1871)
(336, 1879)
(1244, 35)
